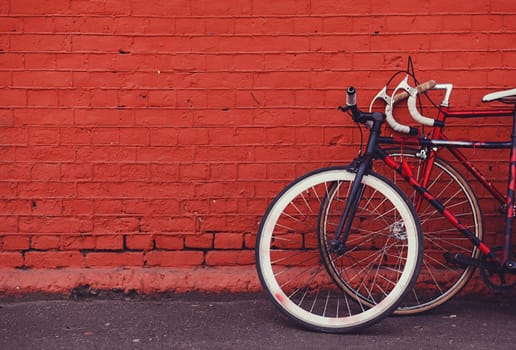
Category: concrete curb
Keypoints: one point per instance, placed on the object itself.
(140, 280)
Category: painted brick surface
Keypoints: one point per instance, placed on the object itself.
(154, 133)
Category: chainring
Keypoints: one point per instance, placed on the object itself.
(495, 276)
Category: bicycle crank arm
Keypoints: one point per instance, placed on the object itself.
(463, 260)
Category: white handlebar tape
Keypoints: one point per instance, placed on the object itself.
(404, 129)
(411, 104)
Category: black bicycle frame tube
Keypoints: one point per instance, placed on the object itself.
(364, 164)
(511, 185)
(414, 141)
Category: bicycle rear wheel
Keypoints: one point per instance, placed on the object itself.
(439, 280)
(305, 279)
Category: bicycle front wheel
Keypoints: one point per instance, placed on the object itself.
(305, 279)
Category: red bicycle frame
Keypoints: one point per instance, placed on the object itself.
(439, 139)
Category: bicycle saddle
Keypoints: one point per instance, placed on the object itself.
(506, 96)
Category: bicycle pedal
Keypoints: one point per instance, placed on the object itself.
(462, 259)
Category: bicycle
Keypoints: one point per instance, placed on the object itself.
(379, 224)
(333, 213)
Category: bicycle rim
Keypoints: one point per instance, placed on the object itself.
(304, 279)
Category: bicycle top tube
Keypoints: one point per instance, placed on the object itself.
(479, 113)
(421, 141)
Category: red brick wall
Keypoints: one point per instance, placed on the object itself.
(151, 133)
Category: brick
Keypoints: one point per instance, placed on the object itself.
(223, 172)
(9, 189)
(53, 259)
(105, 154)
(108, 8)
(13, 97)
(221, 99)
(45, 172)
(42, 79)
(140, 25)
(105, 259)
(230, 258)
(169, 242)
(139, 242)
(42, 98)
(76, 207)
(109, 242)
(282, 172)
(41, 224)
(174, 259)
(134, 136)
(23, 117)
(75, 98)
(44, 242)
(162, 98)
(164, 172)
(156, 7)
(45, 207)
(162, 117)
(134, 172)
(223, 206)
(133, 98)
(108, 206)
(99, 43)
(75, 171)
(13, 171)
(43, 7)
(14, 136)
(194, 172)
(11, 24)
(79, 242)
(191, 98)
(156, 207)
(15, 242)
(103, 98)
(328, 6)
(251, 171)
(14, 206)
(103, 117)
(217, 26)
(199, 241)
(228, 241)
(290, 7)
(47, 153)
(100, 24)
(105, 136)
(11, 260)
(41, 42)
(163, 136)
(117, 225)
(45, 189)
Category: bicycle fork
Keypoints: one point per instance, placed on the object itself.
(362, 164)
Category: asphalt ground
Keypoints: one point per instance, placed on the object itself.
(237, 321)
